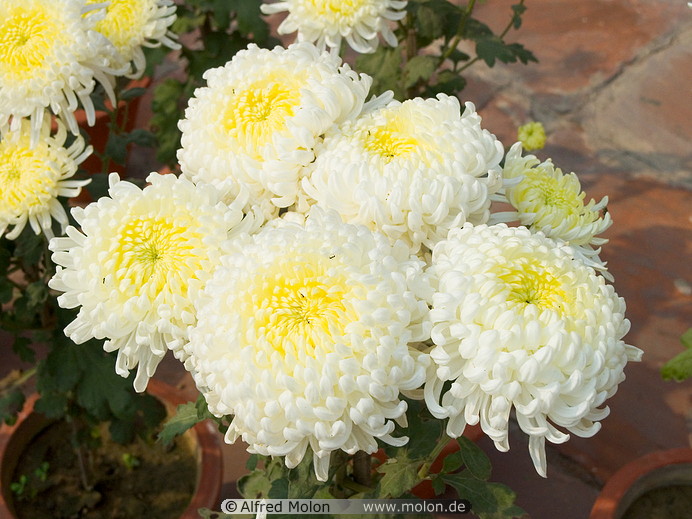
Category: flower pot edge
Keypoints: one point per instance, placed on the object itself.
(207, 440)
(614, 491)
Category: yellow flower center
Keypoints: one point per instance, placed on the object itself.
(298, 305)
(394, 139)
(27, 180)
(253, 115)
(27, 38)
(151, 253)
(530, 283)
(123, 23)
(334, 9)
(540, 189)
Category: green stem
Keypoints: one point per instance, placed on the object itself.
(16, 379)
(460, 32)
(434, 454)
(458, 38)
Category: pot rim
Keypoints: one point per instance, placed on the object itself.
(615, 491)
(208, 440)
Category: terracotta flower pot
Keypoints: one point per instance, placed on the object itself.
(14, 439)
(655, 470)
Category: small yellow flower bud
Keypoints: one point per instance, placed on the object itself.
(532, 136)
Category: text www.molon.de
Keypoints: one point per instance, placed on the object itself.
(361, 507)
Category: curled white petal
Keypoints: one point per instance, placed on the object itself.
(256, 123)
(306, 336)
(412, 170)
(137, 264)
(519, 323)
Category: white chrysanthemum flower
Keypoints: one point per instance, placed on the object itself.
(256, 123)
(546, 200)
(306, 335)
(328, 22)
(137, 263)
(411, 170)
(49, 58)
(133, 24)
(519, 323)
(32, 178)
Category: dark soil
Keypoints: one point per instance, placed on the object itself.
(141, 479)
(673, 502)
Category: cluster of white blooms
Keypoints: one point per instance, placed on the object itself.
(320, 256)
(52, 55)
(328, 22)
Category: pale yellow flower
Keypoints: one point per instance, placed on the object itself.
(411, 170)
(327, 22)
(307, 336)
(549, 201)
(133, 24)
(49, 58)
(136, 264)
(254, 126)
(518, 323)
(33, 177)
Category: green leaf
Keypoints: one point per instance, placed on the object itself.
(116, 148)
(428, 22)
(10, 404)
(679, 368)
(383, 65)
(30, 246)
(22, 347)
(101, 391)
(475, 30)
(399, 476)
(6, 291)
(474, 458)
(518, 10)
(302, 480)
(254, 485)
(252, 461)
(438, 484)
(492, 48)
(452, 462)
(279, 489)
(456, 56)
(37, 293)
(250, 20)
(168, 104)
(98, 187)
(419, 68)
(448, 82)
(423, 431)
(488, 500)
(141, 137)
(121, 431)
(185, 418)
(438, 18)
